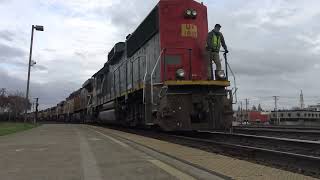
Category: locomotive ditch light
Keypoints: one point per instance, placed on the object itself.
(180, 74)
(220, 74)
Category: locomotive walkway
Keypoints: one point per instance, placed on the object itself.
(64, 151)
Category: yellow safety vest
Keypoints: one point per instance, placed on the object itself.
(216, 42)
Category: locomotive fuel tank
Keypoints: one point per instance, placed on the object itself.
(108, 113)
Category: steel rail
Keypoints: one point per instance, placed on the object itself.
(305, 134)
(306, 164)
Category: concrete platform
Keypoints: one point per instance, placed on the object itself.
(63, 152)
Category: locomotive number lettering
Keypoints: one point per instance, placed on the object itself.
(189, 30)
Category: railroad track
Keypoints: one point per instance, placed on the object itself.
(304, 133)
(281, 127)
(294, 155)
(290, 154)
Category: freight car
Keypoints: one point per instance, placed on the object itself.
(159, 76)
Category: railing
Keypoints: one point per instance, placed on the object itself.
(226, 64)
(226, 77)
(235, 89)
(153, 70)
(114, 79)
(146, 69)
(132, 75)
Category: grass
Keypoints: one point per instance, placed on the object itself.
(10, 127)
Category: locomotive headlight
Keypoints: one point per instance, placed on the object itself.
(194, 13)
(191, 13)
(180, 73)
(188, 12)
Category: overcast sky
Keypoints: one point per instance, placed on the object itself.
(274, 44)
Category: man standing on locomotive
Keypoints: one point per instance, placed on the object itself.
(214, 41)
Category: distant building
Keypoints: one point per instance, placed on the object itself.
(258, 117)
(253, 117)
(314, 107)
(302, 117)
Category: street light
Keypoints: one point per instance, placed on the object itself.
(33, 63)
(37, 28)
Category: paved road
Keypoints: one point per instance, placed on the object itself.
(61, 151)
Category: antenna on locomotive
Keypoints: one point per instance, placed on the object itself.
(128, 36)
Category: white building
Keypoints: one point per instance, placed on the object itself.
(304, 117)
(314, 107)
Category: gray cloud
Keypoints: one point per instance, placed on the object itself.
(48, 93)
(123, 14)
(49, 50)
(80, 54)
(10, 52)
(270, 63)
(40, 67)
(6, 35)
(3, 1)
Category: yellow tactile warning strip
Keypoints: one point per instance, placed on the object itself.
(228, 166)
(113, 139)
(171, 170)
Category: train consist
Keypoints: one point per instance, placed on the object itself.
(157, 77)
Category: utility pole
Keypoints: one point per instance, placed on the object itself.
(247, 114)
(276, 108)
(241, 112)
(247, 103)
(36, 114)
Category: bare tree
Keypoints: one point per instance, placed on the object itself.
(254, 108)
(12, 104)
(17, 103)
(3, 91)
(3, 100)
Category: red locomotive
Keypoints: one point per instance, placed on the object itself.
(158, 76)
